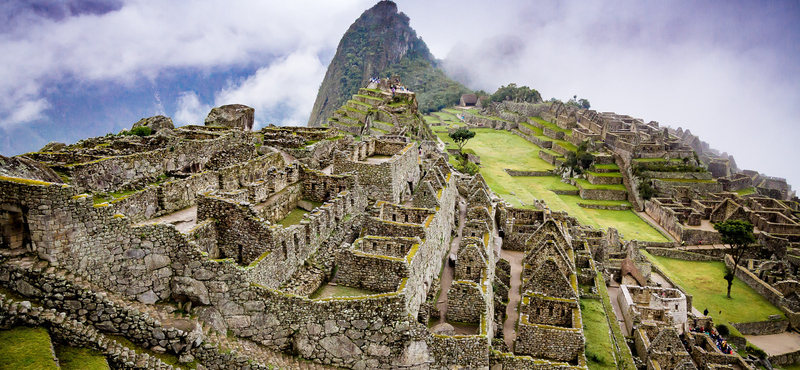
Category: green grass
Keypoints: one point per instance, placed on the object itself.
(607, 167)
(551, 126)
(624, 357)
(605, 174)
(431, 119)
(743, 192)
(333, 291)
(587, 185)
(599, 350)
(704, 280)
(293, 218)
(296, 215)
(71, 358)
(24, 348)
(445, 117)
(501, 149)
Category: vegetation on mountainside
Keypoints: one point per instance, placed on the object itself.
(580, 160)
(516, 93)
(434, 89)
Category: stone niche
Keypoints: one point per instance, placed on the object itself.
(14, 231)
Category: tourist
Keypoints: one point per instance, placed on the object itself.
(705, 312)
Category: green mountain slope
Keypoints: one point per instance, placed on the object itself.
(381, 43)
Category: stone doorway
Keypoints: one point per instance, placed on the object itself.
(14, 230)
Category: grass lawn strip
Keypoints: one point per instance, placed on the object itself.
(25, 348)
(704, 280)
(71, 358)
(599, 350)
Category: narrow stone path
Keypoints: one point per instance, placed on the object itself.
(515, 259)
(776, 344)
(184, 220)
(447, 276)
(613, 293)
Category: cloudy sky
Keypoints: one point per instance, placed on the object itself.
(729, 71)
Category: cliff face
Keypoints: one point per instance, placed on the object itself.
(379, 43)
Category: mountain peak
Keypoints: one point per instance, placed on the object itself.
(381, 37)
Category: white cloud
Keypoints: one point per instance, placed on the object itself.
(26, 112)
(190, 110)
(282, 93)
(146, 37)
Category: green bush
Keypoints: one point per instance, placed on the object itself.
(646, 190)
(465, 166)
(139, 131)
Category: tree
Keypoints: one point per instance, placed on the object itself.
(584, 103)
(738, 235)
(460, 137)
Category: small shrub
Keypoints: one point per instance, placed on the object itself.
(594, 357)
(723, 330)
(139, 131)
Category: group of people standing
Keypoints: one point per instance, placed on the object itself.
(721, 343)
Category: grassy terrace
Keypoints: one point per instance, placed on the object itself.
(71, 358)
(431, 119)
(551, 126)
(296, 215)
(587, 185)
(445, 117)
(704, 281)
(605, 174)
(335, 291)
(369, 97)
(607, 167)
(24, 348)
(599, 350)
(501, 149)
(749, 190)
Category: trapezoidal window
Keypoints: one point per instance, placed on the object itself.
(14, 230)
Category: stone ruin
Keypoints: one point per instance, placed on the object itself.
(288, 243)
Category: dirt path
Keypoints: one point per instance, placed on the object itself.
(448, 274)
(776, 344)
(613, 293)
(184, 220)
(515, 259)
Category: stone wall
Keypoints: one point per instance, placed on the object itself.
(387, 180)
(603, 194)
(465, 302)
(550, 342)
(703, 187)
(358, 269)
(762, 327)
(528, 173)
(681, 254)
(113, 173)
